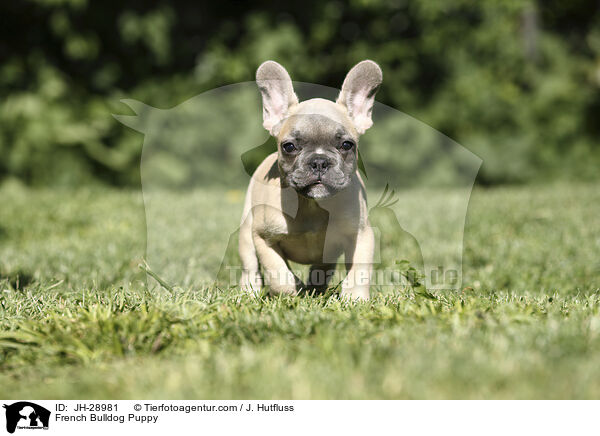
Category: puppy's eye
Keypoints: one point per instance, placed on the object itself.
(347, 145)
(288, 147)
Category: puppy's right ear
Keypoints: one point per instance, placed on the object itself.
(277, 92)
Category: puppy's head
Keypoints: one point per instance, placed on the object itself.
(317, 139)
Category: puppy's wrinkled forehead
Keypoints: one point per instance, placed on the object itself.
(318, 119)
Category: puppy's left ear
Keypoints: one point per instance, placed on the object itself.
(358, 93)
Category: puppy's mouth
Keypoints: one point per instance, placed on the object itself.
(318, 186)
(316, 189)
(308, 183)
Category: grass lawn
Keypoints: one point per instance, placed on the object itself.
(79, 320)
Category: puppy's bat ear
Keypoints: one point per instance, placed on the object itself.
(277, 92)
(358, 93)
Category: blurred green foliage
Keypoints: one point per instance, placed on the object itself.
(516, 82)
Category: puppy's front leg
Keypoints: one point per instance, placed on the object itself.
(359, 263)
(276, 272)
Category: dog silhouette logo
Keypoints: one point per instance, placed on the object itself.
(198, 144)
(26, 415)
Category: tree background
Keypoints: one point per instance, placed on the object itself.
(516, 82)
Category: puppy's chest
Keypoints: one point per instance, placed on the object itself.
(306, 247)
(301, 239)
(310, 231)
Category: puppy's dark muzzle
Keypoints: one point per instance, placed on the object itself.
(319, 164)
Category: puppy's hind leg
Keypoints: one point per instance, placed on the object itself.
(359, 263)
(320, 275)
(251, 281)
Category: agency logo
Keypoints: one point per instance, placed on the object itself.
(26, 415)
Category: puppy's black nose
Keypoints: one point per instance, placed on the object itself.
(319, 164)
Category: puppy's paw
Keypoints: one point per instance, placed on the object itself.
(251, 282)
(357, 293)
(252, 290)
(287, 289)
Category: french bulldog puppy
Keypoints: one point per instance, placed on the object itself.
(306, 203)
